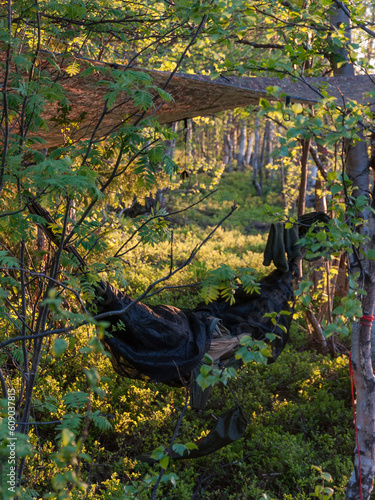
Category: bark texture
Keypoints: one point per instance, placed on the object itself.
(364, 461)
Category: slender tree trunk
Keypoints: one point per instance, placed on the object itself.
(282, 181)
(227, 157)
(320, 199)
(242, 146)
(255, 159)
(203, 143)
(189, 141)
(358, 171)
(269, 148)
(262, 151)
(225, 150)
(170, 146)
(303, 183)
(217, 142)
(234, 137)
(249, 149)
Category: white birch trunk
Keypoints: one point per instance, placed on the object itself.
(358, 171)
(242, 146)
(249, 149)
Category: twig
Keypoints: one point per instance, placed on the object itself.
(318, 163)
(117, 254)
(317, 330)
(348, 13)
(169, 275)
(173, 287)
(5, 99)
(23, 302)
(196, 34)
(260, 45)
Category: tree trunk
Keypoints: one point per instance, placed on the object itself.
(217, 143)
(242, 146)
(234, 137)
(170, 146)
(227, 157)
(189, 140)
(303, 183)
(360, 484)
(320, 199)
(282, 181)
(365, 390)
(358, 171)
(269, 148)
(262, 153)
(203, 143)
(232, 140)
(249, 149)
(339, 18)
(255, 157)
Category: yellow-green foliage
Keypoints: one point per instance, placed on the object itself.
(226, 246)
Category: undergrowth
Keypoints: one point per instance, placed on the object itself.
(298, 409)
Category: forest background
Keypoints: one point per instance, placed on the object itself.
(122, 201)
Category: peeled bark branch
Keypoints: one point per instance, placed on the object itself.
(318, 332)
(318, 163)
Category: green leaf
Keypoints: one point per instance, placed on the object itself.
(331, 176)
(208, 359)
(306, 300)
(75, 400)
(67, 436)
(158, 453)
(164, 462)
(179, 448)
(205, 370)
(326, 476)
(73, 69)
(371, 253)
(59, 347)
(191, 446)
(335, 189)
(339, 310)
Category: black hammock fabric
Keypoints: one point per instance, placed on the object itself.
(162, 342)
(165, 343)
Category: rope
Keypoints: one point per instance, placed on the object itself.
(367, 320)
(352, 384)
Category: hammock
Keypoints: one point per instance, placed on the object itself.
(166, 344)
